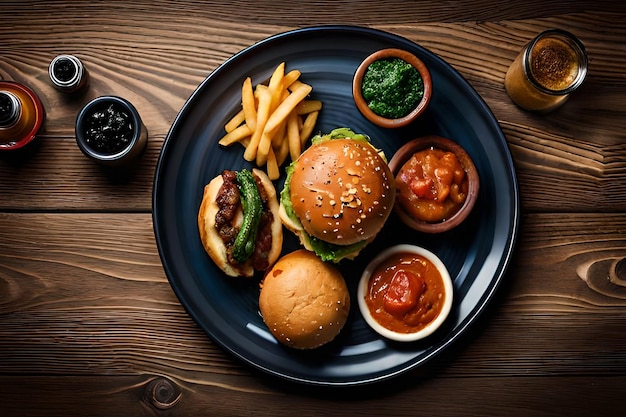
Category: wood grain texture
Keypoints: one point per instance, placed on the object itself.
(97, 308)
(89, 324)
(107, 396)
(577, 150)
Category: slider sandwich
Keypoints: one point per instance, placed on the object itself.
(239, 224)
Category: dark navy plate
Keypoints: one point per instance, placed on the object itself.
(476, 253)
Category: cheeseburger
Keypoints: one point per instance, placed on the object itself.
(337, 195)
(239, 224)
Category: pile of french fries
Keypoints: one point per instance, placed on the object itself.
(275, 120)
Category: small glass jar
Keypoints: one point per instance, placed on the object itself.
(110, 131)
(21, 115)
(68, 74)
(547, 71)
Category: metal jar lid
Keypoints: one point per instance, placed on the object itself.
(67, 73)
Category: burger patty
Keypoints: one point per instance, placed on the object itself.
(228, 202)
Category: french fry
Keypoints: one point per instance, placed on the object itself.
(275, 120)
(234, 122)
(307, 127)
(262, 116)
(235, 135)
(263, 150)
(267, 138)
(258, 90)
(275, 85)
(273, 172)
(245, 141)
(308, 106)
(279, 136)
(286, 106)
(282, 151)
(297, 85)
(293, 136)
(290, 77)
(248, 104)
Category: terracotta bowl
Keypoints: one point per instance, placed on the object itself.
(362, 104)
(437, 321)
(404, 154)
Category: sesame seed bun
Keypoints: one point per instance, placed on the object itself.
(342, 191)
(304, 301)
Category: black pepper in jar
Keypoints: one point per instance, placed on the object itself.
(64, 69)
(109, 131)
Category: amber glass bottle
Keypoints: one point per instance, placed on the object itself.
(547, 71)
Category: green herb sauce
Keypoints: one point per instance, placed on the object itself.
(392, 87)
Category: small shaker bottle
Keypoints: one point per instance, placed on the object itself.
(67, 73)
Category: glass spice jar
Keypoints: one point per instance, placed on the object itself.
(68, 74)
(547, 70)
(110, 131)
(21, 115)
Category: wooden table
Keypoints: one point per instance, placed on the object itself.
(89, 324)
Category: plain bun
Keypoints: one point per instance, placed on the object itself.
(342, 191)
(304, 301)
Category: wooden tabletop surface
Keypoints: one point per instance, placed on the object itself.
(90, 326)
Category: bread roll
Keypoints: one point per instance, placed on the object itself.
(304, 301)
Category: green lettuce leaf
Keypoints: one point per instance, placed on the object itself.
(340, 133)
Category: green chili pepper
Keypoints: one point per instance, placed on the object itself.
(252, 208)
